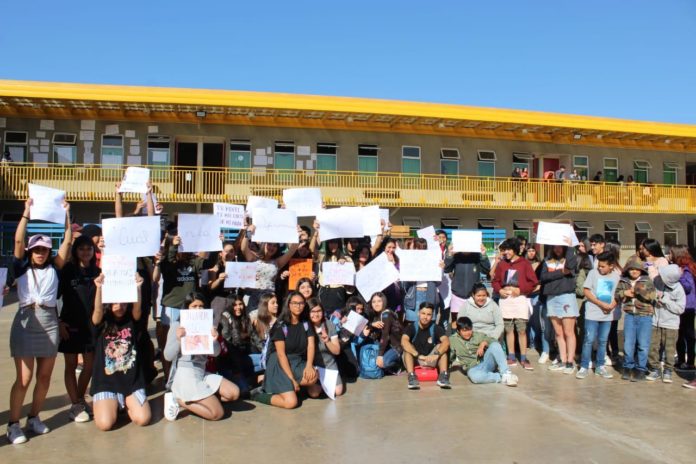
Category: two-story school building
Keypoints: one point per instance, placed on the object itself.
(445, 165)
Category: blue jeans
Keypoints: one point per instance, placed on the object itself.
(485, 372)
(390, 358)
(540, 329)
(595, 330)
(637, 329)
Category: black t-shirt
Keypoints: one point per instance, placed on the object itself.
(423, 341)
(295, 337)
(78, 291)
(117, 366)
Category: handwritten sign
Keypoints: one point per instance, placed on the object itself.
(198, 324)
(337, 273)
(298, 269)
(275, 226)
(304, 201)
(372, 224)
(132, 236)
(135, 180)
(119, 279)
(231, 216)
(419, 266)
(517, 307)
(355, 323)
(254, 202)
(240, 275)
(376, 276)
(47, 204)
(467, 241)
(3, 282)
(552, 233)
(340, 223)
(199, 232)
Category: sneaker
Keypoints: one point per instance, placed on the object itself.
(591, 365)
(511, 362)
(171, 407)
(652, 376)
(79, 368)
(568, 368)
(667, 376)
(556, 367)
(413, 383)
(582, 373)
(607, 361)
(526, 365)
(443, 381)
(604, 373)
(78, 413)
(509, 379)
(544, 358)
(626, 374)
(690, 385)
(35, 425)
(15, 434)
(638, 376)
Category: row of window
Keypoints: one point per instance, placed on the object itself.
(158, 153)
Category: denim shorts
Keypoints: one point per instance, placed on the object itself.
(139, 395)
(560, 306)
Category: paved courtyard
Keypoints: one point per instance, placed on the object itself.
(549, 417)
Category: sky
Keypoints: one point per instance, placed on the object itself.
(630, 59)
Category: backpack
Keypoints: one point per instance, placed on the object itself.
(368, 362)
(432, 330)
(264, 351)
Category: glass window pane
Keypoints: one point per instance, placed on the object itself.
(611, 163)
(580, 161)
(112, 155)
(610, 175)
(411, 152)
(670, 177)
(64, 154)
(326, 163)
(285, 161)
(240, 159)
(410, 166)
(367, 164)
(449, 167)
(640, 176)
(17, 153)
(486, 169)
(670, 239)
(112, 140)
(157, 156)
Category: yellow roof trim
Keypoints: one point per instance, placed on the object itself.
(183, 96)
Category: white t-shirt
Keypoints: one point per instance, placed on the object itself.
(38, 286)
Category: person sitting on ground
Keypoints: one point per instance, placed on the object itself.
(419, 343)
(483, 312)
(478, 356)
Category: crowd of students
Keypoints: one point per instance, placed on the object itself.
(270, 341)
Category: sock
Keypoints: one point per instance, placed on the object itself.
(523, 357)
(261, 397)
(511, 356)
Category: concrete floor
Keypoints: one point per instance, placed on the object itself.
(549, 417)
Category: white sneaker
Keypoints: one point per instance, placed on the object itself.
(35, 425)
(543, 359)
(509, 379)
(607, 361)
(171, 407)
(582, 373)
(78, 413)
(15, 434)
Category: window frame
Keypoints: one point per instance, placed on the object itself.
(8, 145)
(73, 146)
(582, 167)
(405, 157)
(112, 147)
(526, 160)
(670, 168)
(150, 149)
(484, 161)
(641, 166)
(605, 168)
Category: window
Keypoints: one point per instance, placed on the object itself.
(450, 223)
(449, 161)
(522, 228)
(640, 171)
(413, 222)
(669, 172)
(112, 149)
(611, 169)
(671, 233)
(487, 224)
(642, 231)
(521, 160)
(64, 148)
(326, 156)
(486, 163)
(367, 164)
(582, 229)
(410, 160)
(582, 165)
(611, 230)
(284, 159)
(240, 160)
(158, 150)
(16, 144)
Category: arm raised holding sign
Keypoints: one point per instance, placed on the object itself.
(20, 234)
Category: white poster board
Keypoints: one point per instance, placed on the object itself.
(305, 202)
(340, 223)
(135, 180)
(372, 223)
(335, 273)
(419, 266)
(467, 241)
(131, 236)
(231, 216)
(428, 234)
(199, 232)
(553, 233)
(355, 323)
(198, 324)
(384, 215)
(240, 275)
(47, 204)
(376, 276)
(328, 378)
(254, 202)
(3, 282)
(275, 226)
(119, 279)
(445, 290)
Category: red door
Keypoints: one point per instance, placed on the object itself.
(551, 164)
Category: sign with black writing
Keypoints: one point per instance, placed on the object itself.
(131, 236)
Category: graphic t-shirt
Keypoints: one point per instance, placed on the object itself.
(116, 359)
(603, 287)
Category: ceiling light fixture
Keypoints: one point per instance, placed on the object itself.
(577, 136)
(200, 113)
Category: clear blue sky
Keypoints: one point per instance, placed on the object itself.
(632, 59)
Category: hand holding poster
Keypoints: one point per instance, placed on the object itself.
(132, 236)
(419, 266)
(240, 275)
(298, 269)
(199, 232)
(304, 201)
(340, 223)
(376, 276)
(199, 338)
(337, 273)
(119, 279)
(275, 226)
(3, 282)
(231, 216)
(46, 204)
(553, 233)
(135, 180)
(467, 241)
(254, 202)
(355, 323)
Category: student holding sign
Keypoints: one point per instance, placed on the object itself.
(332, 297)
(416, 293)
(34, 335)
(466, 269)
(221, 298)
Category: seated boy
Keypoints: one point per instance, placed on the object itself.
(479, 356)
(419, 342)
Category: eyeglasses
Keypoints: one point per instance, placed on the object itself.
(296, 303)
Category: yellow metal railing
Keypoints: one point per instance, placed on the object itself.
(207, 185)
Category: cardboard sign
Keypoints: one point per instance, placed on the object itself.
(47, 204)
(231, 216)
(298, 269)
(119, 279)
(376, 276)
(240, 275)
(131, 236)
(199, 232)
(467, 241)
(419, 266)
(254, 202)
(553, 233)
(198, 324)
(135, 180)
(340, 223)
(335, 273)
(304, 201)
(275, 226)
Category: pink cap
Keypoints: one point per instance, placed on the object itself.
(39, 241)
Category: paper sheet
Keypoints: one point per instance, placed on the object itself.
(275, 226)
(376, 276)
(231, 216)
(299, 268)
(152, 129)
(135, 180)
(132, 236)
(328, 379)
(240, 275)
(111, 129)
(47, 204)
(198, 324)
(119, 279)
(337, 273)
(259, 202)
(130, 134)
(340, 223)
(199, 232)
(552, 233)
(47, 124)
(306, 202)
(355, 323)
(467, 241)
(88, 124)
(419, 266)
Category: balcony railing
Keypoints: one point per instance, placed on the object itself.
(207, 185)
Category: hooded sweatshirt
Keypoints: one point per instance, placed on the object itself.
(643, 301)
(518, 273)
(689, 285)
(671, 298)
(487, 319)
(467, 269)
